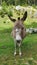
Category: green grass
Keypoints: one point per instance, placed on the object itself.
(8, 24)
(29, 50)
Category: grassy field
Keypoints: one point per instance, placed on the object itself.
(29, 50)
(29, 44)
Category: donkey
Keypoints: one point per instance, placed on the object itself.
(19, 31)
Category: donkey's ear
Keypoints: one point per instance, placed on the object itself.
(12, 19)
(24, 16)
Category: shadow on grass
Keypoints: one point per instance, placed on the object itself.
(6, 30)
(33, 25)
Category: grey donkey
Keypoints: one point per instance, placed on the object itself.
(19, 31)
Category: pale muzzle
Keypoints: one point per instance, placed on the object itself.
(18, 36)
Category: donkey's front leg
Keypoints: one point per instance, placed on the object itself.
(15, 47)
(20, 49)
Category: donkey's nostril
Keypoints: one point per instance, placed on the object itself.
(18, 41)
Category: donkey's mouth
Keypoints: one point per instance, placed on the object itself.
(18, 41)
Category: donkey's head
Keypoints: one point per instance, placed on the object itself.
(19, 30)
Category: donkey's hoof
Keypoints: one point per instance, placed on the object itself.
(14, 53)
(20, 53)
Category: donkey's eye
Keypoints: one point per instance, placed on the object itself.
(22, 28)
